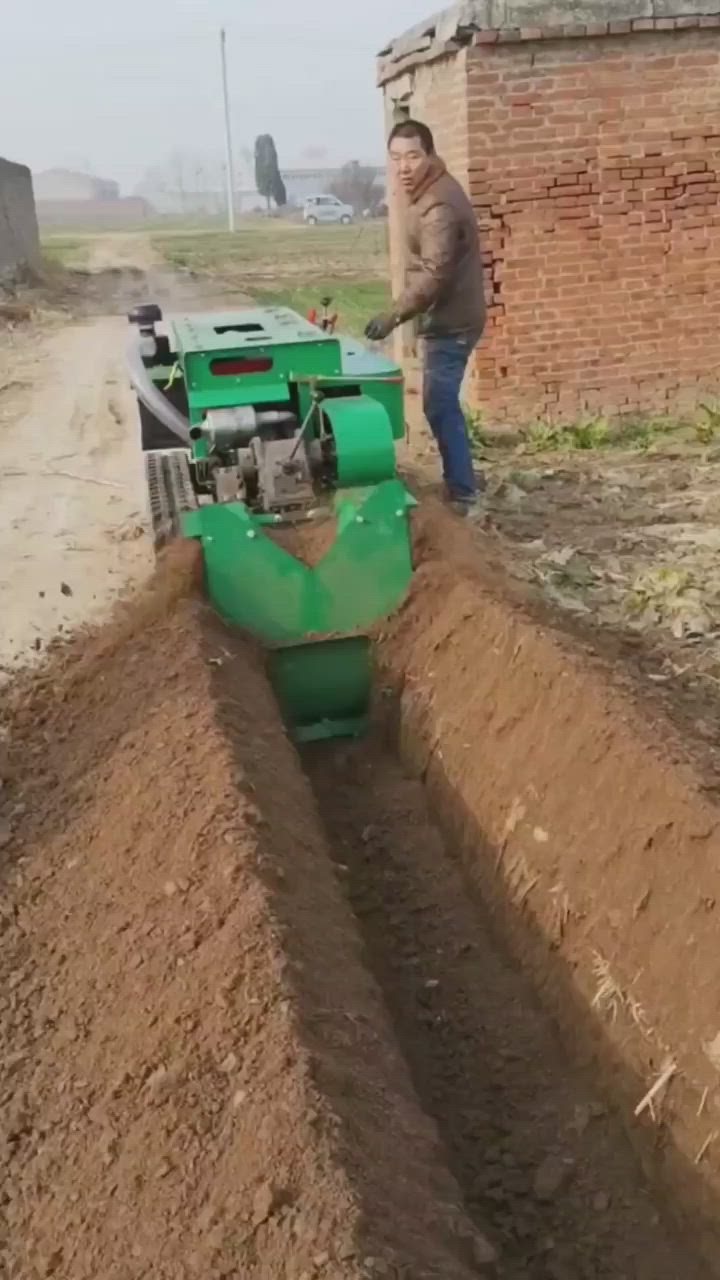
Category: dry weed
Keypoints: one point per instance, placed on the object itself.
(612, 999)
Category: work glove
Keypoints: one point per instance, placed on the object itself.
(380, 326)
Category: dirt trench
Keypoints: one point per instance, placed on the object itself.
(582, 821)
(541, 1159)
(266, 1015)
(198, 1077)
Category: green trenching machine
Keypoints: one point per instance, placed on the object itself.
(255, 419)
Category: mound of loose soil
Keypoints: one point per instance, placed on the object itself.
(585, 825)
(309, 542)
(197, 1076)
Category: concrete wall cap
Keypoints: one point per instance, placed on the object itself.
(461, 23)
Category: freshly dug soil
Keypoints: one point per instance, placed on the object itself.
(538, 1154)
(197, 1075)
(309, 542)
(204, 1074)
(584, 824)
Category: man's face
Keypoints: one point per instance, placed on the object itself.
(409, 161)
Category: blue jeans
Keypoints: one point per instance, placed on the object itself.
(446, 360)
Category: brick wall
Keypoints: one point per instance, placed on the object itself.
(592, 155)
(19, 241)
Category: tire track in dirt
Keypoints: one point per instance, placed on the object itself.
(536, 1153)
(72, 494)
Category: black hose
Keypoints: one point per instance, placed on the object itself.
(152, 397)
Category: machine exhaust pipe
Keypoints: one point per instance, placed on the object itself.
(233, 428)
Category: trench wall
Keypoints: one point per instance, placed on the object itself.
(593, 839)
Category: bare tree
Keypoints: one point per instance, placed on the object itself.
(357, 185)
(186, 181)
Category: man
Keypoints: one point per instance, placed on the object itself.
(444, 287)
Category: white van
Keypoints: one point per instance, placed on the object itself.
(327, 209)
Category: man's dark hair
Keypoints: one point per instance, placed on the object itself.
(414, 129)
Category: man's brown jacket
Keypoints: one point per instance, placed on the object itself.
(444, 278)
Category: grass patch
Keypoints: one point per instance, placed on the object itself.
(707, 428)
(599, 433)
(270, 252)
(476, 431)
(65, 251)
(354, 301)
(293, 266)
(544, 438)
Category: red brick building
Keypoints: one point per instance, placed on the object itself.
(588, 135)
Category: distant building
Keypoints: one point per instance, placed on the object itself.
(66, 184)
(65, 198)
(91, 215)
(211, 201)
(301, 183)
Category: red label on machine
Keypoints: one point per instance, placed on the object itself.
(232, 366)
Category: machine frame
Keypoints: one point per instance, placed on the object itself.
(256, 418)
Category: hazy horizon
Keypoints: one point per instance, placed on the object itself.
(117, 92)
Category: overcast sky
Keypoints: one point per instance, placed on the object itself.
(117, 85)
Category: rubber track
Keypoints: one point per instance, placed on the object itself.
(170, 492)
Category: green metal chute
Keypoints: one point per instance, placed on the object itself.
(262, 588)
(324, 689)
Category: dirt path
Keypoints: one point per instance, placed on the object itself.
(72, 507)
(73, 525)
(121, 250)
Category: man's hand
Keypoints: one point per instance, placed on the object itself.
(380, 326)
